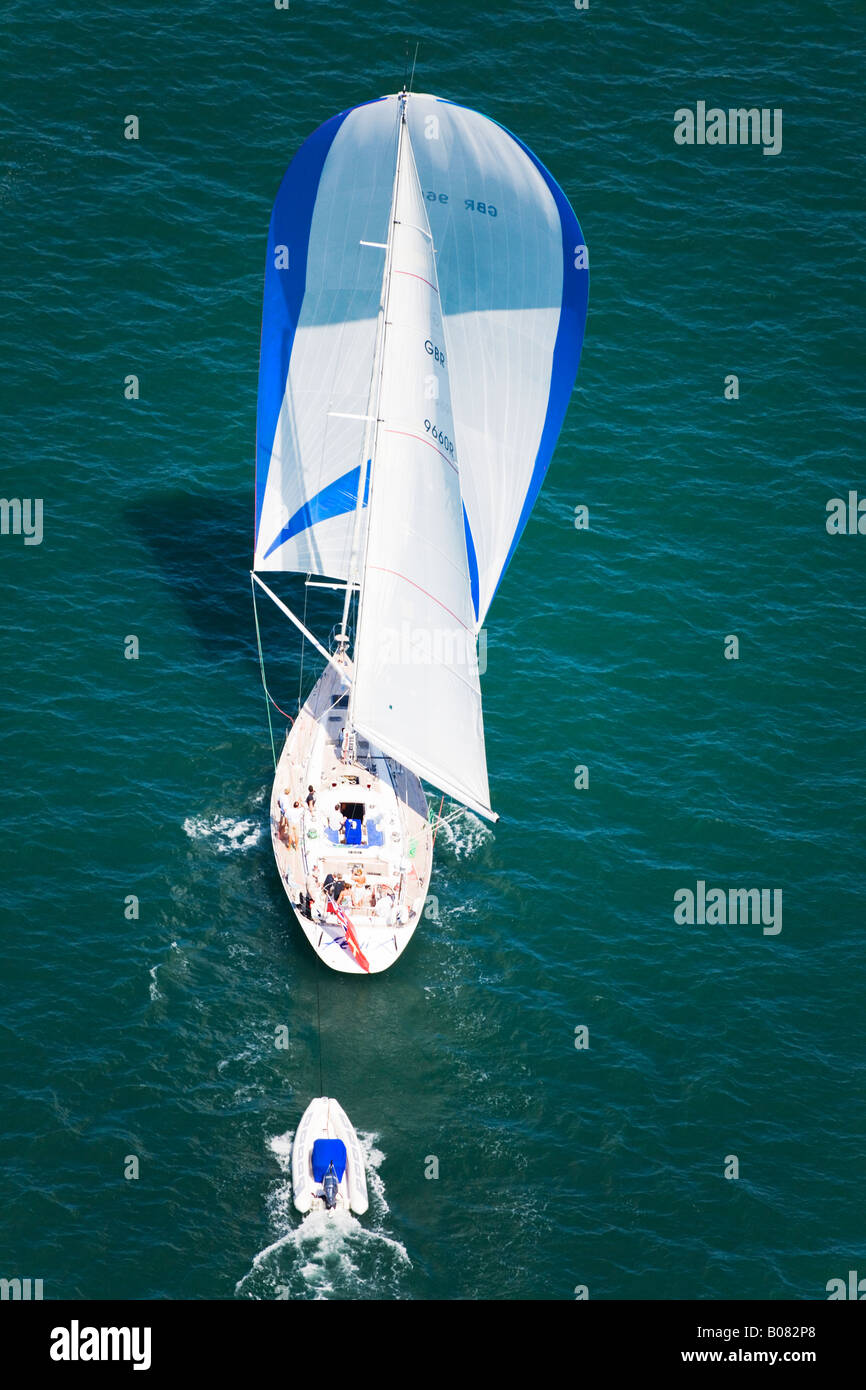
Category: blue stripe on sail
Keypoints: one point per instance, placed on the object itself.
(291, 220)
(569, 339)
(473, 562)
(337, 498)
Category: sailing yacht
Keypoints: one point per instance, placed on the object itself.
(424, 306)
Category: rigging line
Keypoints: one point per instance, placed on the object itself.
(438, 822)
(319, 1029)
(414, 61)
(262, 669)
(277, 707)
(301, 674)
(332, 705)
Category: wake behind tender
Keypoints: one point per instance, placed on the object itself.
(328, 1171)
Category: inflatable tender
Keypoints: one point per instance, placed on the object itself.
(328, 1170)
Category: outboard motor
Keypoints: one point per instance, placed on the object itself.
(330, 1187)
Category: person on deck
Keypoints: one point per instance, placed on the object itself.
(284, 802)
(311, 800)
(334, 886)
(336, 820)
(293, 824)
(360, 895)
(314, 894)
(384, 902)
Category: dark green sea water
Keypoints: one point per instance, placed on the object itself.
(154, 1037)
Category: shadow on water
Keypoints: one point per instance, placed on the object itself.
(202, 544)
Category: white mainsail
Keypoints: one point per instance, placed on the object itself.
(416, 692)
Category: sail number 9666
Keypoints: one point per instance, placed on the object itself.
(441, 439)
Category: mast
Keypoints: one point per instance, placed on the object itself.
(372, 431)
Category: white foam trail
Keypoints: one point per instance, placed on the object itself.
(464, 833)
(155, 991)
(227, 834)
(374, 1158)
(249, 1054)
(281, 1147)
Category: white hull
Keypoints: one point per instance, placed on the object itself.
(324, 1118)
(388, 870)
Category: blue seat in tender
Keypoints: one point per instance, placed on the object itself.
(332, 836)
(326, 1152)
(353, 832)
(374, 834)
